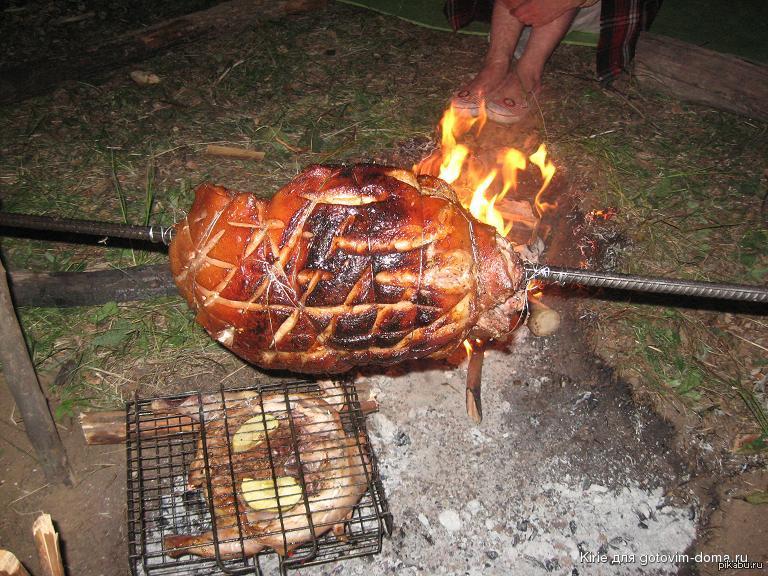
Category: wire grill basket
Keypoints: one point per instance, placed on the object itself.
(251, 481)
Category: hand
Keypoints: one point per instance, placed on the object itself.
(540, 12)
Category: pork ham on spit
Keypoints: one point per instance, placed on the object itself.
(343, 267)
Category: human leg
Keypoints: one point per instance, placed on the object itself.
(505, 32)
(510, 101)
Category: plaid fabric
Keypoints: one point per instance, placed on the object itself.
(620, 24)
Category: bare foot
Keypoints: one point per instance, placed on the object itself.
(505, 32)
(467, 100)
(516, 86)
(491, 76)
(528, 75)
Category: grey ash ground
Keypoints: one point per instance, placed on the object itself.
(563, 468)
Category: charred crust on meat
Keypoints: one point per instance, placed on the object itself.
(345, 266)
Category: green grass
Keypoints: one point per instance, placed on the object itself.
(94, 346)
(689, 194)
(660, 344)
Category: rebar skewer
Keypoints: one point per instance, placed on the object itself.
(154, 234)
(672, 286)
(543, 273)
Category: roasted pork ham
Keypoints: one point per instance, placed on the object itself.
(345, 266)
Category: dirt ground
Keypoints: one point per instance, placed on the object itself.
(572, 464)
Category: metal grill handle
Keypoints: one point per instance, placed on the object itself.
(571, 276)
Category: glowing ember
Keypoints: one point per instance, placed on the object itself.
(478, 187)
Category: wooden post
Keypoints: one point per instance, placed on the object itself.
(22, 380)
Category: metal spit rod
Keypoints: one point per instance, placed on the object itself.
(154, 234)
(615, 281)
(543, 273)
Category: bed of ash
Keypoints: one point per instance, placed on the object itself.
(564, 475)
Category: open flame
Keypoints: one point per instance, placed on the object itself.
(483, 189)
(471, 345)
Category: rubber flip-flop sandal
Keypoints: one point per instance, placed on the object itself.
(507, 111)
(466, 102)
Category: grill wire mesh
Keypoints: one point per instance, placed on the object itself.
(289, 467)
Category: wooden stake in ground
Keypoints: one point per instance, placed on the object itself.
(22, 381)
(47, 544)
(10, 565)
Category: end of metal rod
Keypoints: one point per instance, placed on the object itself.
(650, 284)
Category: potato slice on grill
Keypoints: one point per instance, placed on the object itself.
(260, 494)
(253, 431)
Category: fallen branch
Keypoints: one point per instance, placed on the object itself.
(89, 288)
(234, 153)
(700, 75)
(110, 427)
